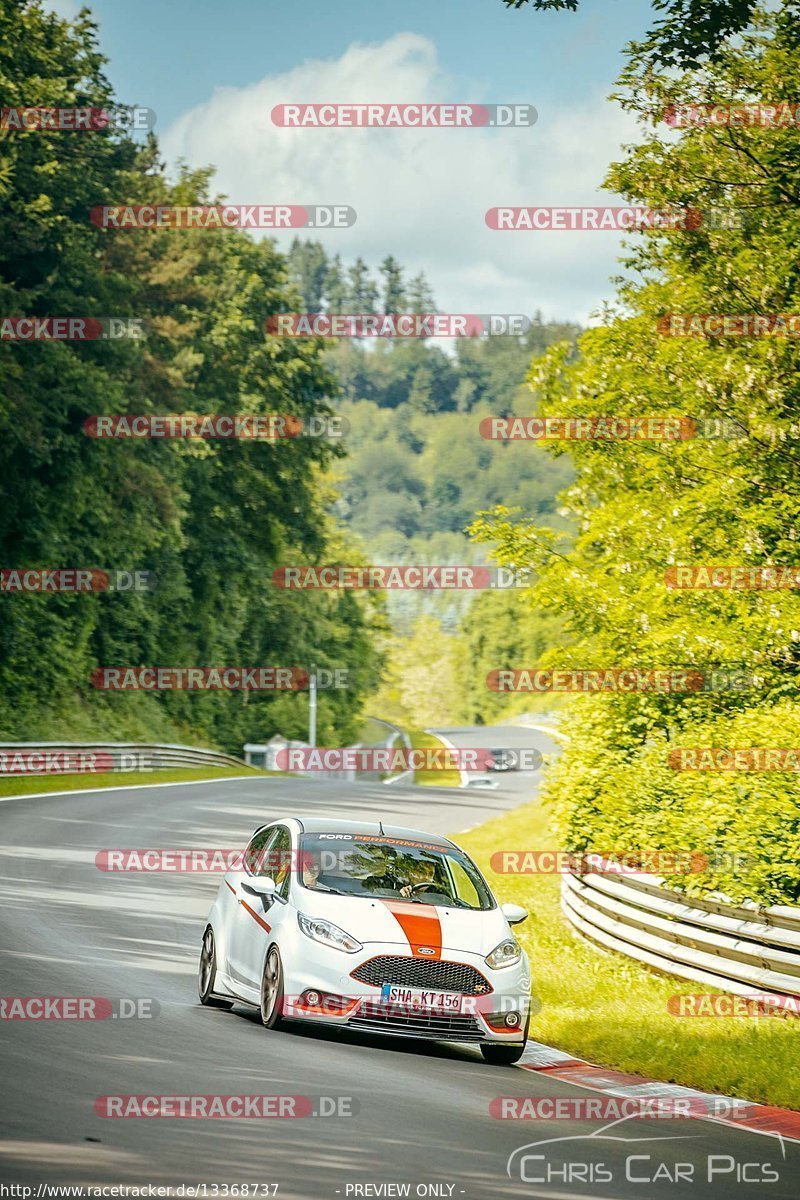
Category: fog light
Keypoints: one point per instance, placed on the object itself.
(312, 997)
(512, 1020)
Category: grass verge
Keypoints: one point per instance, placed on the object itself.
(607, 1009)
(24, 785)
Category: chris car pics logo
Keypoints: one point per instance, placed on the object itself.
(615, 1154)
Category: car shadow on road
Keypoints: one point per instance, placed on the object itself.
(416, 1047)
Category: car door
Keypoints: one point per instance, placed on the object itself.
(239, 921)
(258, 923)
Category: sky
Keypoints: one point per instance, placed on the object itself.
(212, 73)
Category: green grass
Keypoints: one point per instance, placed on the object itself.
(605, 1008)
(23, 785)
(445, 778)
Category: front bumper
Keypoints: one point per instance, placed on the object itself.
(330, 974)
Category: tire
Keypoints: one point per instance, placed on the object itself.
(272, 990)
(207, 974)
(498, 1055)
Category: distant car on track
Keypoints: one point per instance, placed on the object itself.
(502, 760)
(370, 927)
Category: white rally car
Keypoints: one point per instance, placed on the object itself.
(369, 927)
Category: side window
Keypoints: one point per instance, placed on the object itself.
(255, 853)
(280, 860)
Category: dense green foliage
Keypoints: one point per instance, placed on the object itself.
(691, 30)
(642, 507)
(211, 519)
(606, 1009)
(411, 475)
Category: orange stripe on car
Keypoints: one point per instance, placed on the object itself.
(255, 916)
(421, 925)
(252, 911)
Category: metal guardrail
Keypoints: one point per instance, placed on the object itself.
(23, 759)
(739, 949)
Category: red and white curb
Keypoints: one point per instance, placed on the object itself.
(758, 1118)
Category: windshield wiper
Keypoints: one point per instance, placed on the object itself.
(323, 887)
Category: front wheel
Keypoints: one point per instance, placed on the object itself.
(207, 973)
(272, 990)
(498, 1055)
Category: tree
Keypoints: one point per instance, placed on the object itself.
(419, 396)
(691, 31)
(363, 289)
(211, 519)
(335, 290)
(641, 508)
(393, 299)
(420, 297)
(308, 271)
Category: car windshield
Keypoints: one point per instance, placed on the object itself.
(391, 868)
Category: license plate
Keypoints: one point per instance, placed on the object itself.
(421, 998)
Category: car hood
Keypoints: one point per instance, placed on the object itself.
(410, 925)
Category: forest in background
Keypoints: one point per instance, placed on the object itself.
(209, 519)
(417, 472)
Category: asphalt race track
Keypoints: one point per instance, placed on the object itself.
(69, 929)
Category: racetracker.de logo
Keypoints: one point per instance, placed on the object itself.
(780, 115)
(73, 580)
(598, 220)
(733, 579)
(741, 758)
(604, 428)
(413, 115)
(77, 1008)
(72, 119)
(203, 860)
(614, 1108)
(390, 758)
(750, 1004)
(224, 1107)
(397, 325)
(418, 577)
(70, 329)
(69, 762)
(621, 679)
(247, 427)
(223, 216)
(200, 679)
(717, 325)
(614, 862)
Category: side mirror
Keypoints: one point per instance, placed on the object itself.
(514, 913)
(264, 888)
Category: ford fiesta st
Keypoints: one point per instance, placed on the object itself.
(368, 927)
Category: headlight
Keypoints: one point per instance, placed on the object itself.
(506, 954)
(328, 934)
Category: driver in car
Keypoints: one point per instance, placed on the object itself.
(311, 870)
(423, 878)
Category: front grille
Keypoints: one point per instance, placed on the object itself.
(422, 973)
(442, 1026)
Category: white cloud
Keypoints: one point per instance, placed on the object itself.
(422, 194)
